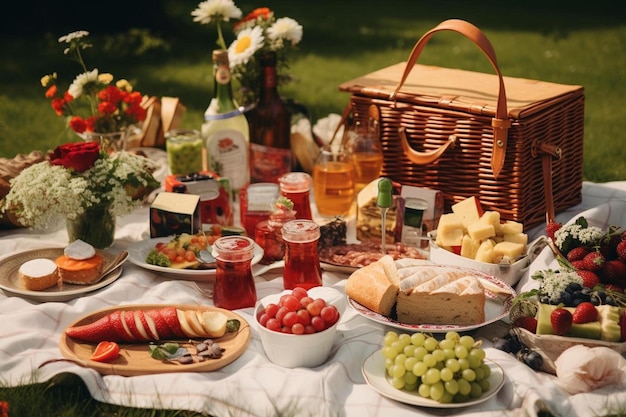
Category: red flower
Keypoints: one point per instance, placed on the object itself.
(79, 156)
(262, 12)
(78, 124)
(4, 409)
(51, 92)
(110, 93)
(107, 107)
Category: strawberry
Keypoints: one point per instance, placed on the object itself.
(590, 278)
(594, 261)
(561, 321)
(614, 272)
(621, 250)
(577, 253)
(528, 323)
(585, 312)
(552, 228)
(578, 265)
(613, 287)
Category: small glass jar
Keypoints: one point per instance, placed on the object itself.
(184, 151)
(234, 283)
(256, 202)
(302, 263)
(296, 187)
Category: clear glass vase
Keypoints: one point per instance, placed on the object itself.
(114, 141)
(96, 226)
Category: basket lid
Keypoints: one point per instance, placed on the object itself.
(469, 91)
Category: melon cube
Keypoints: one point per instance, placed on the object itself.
(468, 210)
(450, 230)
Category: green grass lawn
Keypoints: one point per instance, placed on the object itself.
(342, 40)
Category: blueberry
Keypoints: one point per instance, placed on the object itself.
(567, 298)
(610, 301)
(533, 360)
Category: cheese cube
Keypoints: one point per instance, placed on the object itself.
(485, 251)
(481, 230)
(469, 247)
(510, 227)
(450, 230)
(468, 210)
(516, 238)
(510, 249)
(492, 218)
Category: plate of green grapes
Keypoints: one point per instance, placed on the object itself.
(429, 377)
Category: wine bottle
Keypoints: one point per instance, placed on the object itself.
(270, 129)
(225, 130)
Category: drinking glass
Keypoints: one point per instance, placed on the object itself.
(365, 153)
(333, 182)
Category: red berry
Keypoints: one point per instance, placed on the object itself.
(613, 287)
(622, 325)
(594, 261)
(614, 272)
(551, 229)
(528, 323)
(578, 265)
(590, 278)
(585, 313)
(577, 253)
(561, 321)
(621, 250)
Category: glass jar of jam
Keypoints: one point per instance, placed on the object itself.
(296, 187)
(302, 263)
(256, 203)
(234, 283)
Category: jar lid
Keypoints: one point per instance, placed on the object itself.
(295, 182)
(233, 248)
(301, 231)
(182, 135)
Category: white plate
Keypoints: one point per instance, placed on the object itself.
(138, 252)
(496, 308)
(376, 377)
(10, 282)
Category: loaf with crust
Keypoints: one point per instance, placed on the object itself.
(375, 286)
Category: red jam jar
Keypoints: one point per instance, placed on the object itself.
(234, 283)
(296, 187)
(256, 202)
(302, 263)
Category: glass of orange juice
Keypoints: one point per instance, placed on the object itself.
(333, 181)
(365, 153)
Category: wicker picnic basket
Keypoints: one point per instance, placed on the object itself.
(514, 143)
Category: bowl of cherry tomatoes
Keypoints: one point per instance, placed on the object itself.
(298, 327)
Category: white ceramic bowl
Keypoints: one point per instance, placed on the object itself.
(509, 273)
(307, 350)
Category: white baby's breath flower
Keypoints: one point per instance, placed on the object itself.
(105, 78)
(247, 43)
(78, 85)
(73, 35)
(213, 10)
(287, 29)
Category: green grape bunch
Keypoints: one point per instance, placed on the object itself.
(450, 370)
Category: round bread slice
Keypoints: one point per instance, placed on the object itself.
(375, 286)
(38, 274)
(79, 271)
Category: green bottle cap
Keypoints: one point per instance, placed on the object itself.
(384, 193)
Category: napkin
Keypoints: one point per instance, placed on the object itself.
(583, 369)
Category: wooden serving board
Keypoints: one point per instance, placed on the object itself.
(135, 358)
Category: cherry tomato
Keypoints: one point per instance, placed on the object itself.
(299, 293)
(297, 328)
(106, 351)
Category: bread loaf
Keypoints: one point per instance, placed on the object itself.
(38, 274)
(375, 286)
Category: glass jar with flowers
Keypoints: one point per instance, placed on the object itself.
(95, 108)
(83, 184)
(256, 34)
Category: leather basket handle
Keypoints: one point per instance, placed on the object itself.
(500, 122)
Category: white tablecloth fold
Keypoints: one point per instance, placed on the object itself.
(252, 385)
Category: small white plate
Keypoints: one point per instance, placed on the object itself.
(376, 377)
(138, 252)
(497, 307)
(10, 282)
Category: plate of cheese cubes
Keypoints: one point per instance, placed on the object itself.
(471, 237)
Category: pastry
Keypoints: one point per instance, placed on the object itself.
(38, 274)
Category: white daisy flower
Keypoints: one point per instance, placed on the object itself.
(210, 10)
(247, 43)
(287, 29)
(76, 88)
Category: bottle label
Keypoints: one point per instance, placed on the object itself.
(222, 74)
(228, 155)
(267, 164)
